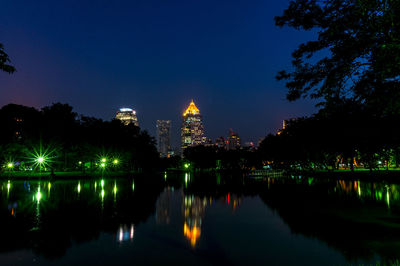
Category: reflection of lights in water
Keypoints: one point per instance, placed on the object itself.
(115, 191)
(79, 187)
(387, 197)
(95, 186)
(359, 188)
(192, 234)
(133, 185)
(186, 179)
(8, 188)
(38, 195)
(102, 194)
(165, 175)
(102, 183)
(124, 233)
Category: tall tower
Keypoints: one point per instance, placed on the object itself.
(234, 141)
(163, 137)
(192, 131)
(127, 116)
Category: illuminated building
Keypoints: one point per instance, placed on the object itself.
(233, 141)
(283, 127)
(192, 131)
(208, 142)
(127, 116)
(220, 142)
(249, 145)
(164, 137)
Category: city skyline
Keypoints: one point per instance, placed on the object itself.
(161, 55)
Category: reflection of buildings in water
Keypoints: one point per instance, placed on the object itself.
(125, 233)
(193, 210)
(12, 208)
(165, 204)
(233, 200)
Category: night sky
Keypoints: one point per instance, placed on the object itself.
(154, 56)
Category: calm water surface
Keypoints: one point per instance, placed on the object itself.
(186, 220)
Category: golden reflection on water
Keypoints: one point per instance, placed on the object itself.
(192, 211)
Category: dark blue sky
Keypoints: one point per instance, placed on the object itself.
(154, 56)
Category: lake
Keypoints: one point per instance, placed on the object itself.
(199, 220)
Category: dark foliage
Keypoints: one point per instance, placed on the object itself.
(349, 135)
(356, 55)
(4, 61)
(71, 138)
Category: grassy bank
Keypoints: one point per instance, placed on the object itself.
(62, 175)
(389, 175)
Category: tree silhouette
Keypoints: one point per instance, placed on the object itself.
(4, 60)
(356, 55)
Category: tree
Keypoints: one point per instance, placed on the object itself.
(356, 56)
(4, 60)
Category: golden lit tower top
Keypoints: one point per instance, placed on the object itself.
(192, 109)
(192, 130)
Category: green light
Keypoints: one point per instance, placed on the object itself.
(102, 183)
(10, 165)
(41, 158)
(116, 161)
(115, 189)
(80, 162)
(103, 160)
(187, 165)
(133, 185)
(103, 165)
(388, 198)
(38, 195)
(102, 193)
(79, 187)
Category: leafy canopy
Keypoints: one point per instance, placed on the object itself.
(356, 56)
(4, 60)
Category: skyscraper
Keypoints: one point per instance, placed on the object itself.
(220, 142)
(127, 116)
(234, 141)
(163, 137)
(192, 131)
